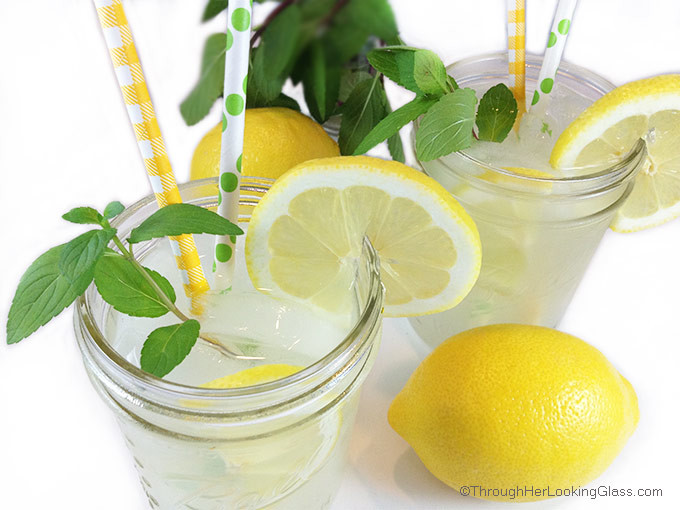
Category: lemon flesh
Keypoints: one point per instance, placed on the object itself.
(252, 376)
(608, 130)
(308, 229)
(510, 405)
(276, 139)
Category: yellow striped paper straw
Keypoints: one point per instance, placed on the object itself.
(149, 140)
(516, 51)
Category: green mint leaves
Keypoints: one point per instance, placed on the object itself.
(79, 256)
(447, 125)
(449, 114)
(394, 122)
(178, 219)
(42, 294)
(210, 82)
(320, 44)
(126, 289)
(56, 278)
(166, 347)
(496, 114)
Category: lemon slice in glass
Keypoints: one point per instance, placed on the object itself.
(608, 129)
(252, 376)
(309, 227)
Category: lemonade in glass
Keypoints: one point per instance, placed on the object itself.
(539, 227)
(241, 443)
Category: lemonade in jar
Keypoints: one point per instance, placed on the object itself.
(539, 226)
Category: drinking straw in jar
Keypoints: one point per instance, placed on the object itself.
(147, 131)
(553, 54)
(516, 51)
(239, 14)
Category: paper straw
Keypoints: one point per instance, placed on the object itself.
(239, 14)
(516, 51)
(553, 53)
(149, 140)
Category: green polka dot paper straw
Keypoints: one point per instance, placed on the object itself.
(239, 16)
(553, 54)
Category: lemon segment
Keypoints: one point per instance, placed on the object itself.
(515, 406)
(252, 376)
(308, 229)
(608, 130)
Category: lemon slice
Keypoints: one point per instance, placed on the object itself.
(309, 227)
(252, 376)
(263, 465)
(609, 128)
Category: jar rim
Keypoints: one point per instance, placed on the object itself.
(90, 334)
(601, 177)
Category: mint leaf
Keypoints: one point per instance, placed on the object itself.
(343, 41)
(213, 8)
(349, 80)
(178, 219)
(166, 347)
(447, 126)
(396, 148)
(420, 71)
(374, 16)
(285, 101)
(321, 81)
(316, 10)
(122, 286)
(391, 124)
(364, 109)
(279, 42)
(385, 60)
(261, 90)
(42, 294)
(429, 73)
(83, 215)
(210, 83)
(80, 255)
(496, 113)
(113, 209)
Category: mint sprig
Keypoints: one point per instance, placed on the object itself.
(60, 275)
(448, 112)
(318, 44)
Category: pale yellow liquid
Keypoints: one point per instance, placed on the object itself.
(292, 465)
(536, 245)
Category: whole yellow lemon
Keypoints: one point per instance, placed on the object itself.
(513, 412)
(276, 140)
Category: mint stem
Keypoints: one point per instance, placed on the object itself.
(215, 344)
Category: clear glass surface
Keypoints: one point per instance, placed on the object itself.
(538, 234)
(277, 445)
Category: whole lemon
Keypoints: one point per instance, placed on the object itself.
(509, 407)
(276, 140)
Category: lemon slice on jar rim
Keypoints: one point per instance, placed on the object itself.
(609, 128)
(312, 222)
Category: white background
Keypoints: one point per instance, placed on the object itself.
(65, 141)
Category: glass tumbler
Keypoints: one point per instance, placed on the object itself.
(538, 234)
(276, 445)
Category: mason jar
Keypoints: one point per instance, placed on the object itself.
(276, 445)
(538, 232)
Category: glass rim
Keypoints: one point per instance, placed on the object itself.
(354, 340)
(602, 174)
